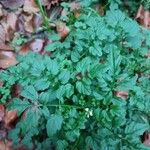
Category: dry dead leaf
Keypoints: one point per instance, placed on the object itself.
(143, 17)
(54, 2)
(10, 117)
(8, 31)
(37, 45)
(15, 90)
(11, 20)
(45, 2)
(1, 11)
(2, 34)
(62, 29)
(1, 83)
(37, 21)
(12, 4)
(74, 6)
(5, 47)
(2, 112)
(20, 24)
(30, 6)
(147, 139)
(122, 94)
(146, 19)
(7, 27)
(77, 13)
(3, 134)
(28, 24)
(100, 9)
(25, 48)
(140, 13)
(7, 59)
(5, 145)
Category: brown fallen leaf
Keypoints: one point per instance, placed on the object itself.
(62, 29)
(7, 59)
(10, 117)
(11, 20)
(24, 114)
(3, 134)
(45, 2)
(28, 24)
(5, 47)
(7, 28)
(3, 38)
(74, 6)
(2, 112)
(1, 11)
(37, 21)
(55, 2)
(147, 139)
(21, 148)
(143, 17)
(8, 31)
(49, 3)
(5, 145)
(1, 83)
(146, 21)
(100, 9)
(37, 45)
(15, 90)
(121, 94)
(140, 13)
(20, 24)
(2, 34)
(30, 6)
(12, 4)
(25, 48)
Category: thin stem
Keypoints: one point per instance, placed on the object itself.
(113, 69)
(113, 63)
(119, 137)
(44, 15)
(76, 143)
(63, 105)
(104, 7)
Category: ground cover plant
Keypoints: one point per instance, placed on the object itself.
(88, 91)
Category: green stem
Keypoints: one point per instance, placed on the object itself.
(68, 106)
(113, 61)
(113, 69)
(76, 143)
(104, 7)
(119, 137)
(44, 15)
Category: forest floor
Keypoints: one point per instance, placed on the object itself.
(22, 29)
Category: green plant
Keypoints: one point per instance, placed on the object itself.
(46, 21)
(67, 101)
(146, 4)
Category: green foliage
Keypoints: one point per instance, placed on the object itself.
(46, 21)
(54, 124)
(146, 4)
(68, 99)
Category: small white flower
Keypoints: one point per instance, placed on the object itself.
(89, 112)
